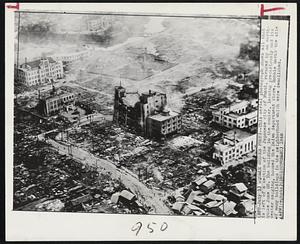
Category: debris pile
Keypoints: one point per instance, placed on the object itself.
(47, 181)
(208, 196)
(166, 165)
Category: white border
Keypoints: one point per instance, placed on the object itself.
(91, 227)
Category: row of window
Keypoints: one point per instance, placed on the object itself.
(172, 126)
(169, 122)
(169, 130)
(30, 80)
(43, 72)
(239, 111)
(247, 147)
(252, 122)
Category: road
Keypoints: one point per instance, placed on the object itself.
(150, 197)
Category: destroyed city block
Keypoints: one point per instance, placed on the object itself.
(124, 121)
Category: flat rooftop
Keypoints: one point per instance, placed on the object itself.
(234, 115)
(232, 105)
(161, 117)
(251, 114)
(222, 147)
(56, 96)
(238, 134)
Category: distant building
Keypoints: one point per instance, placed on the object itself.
(54, 102)
(242, 114)
(70, 57)
(39, 71)
(147, 112)
(100, 24)
(234, 144)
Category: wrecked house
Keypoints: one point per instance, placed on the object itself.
(207, 186)
(76, 203)
(238, 189)
(222, 208)
(147, 113)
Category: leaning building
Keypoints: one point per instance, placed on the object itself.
(146, 112)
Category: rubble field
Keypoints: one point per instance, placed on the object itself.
(160, 164)
(47, 181)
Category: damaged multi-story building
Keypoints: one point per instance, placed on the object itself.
(147, 112)
(55, 101)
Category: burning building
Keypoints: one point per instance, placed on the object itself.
(147, 113)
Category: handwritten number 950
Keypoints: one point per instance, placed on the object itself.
(150, 226)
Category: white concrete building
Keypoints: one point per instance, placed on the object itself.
(39, 71)
(234, 144)
(242, 114)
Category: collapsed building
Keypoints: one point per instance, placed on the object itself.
(55, 101)
(147, 113)
(234, 144)
(241, 114)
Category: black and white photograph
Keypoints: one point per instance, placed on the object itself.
(135, 114)
(150, 121)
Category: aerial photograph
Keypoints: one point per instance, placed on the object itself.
(135, 114)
